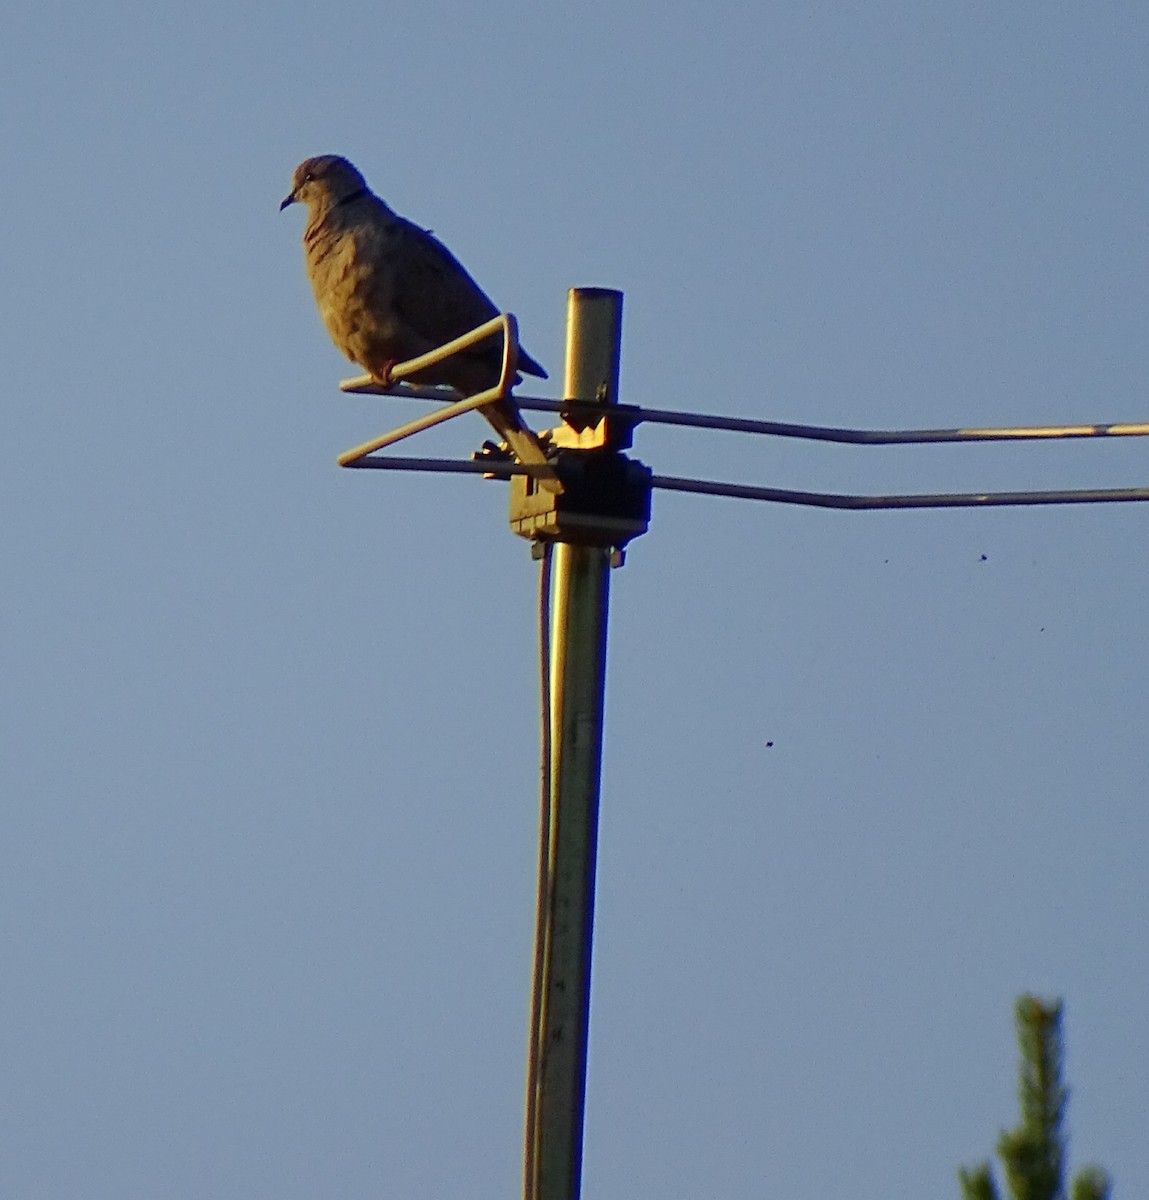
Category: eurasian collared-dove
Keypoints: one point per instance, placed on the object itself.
(388, 290)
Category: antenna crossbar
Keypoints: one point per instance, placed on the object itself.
(637, 414)
(738, 491)
(742, 491)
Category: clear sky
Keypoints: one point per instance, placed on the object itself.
(269, 768)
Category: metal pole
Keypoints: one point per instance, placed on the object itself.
(560, 1009)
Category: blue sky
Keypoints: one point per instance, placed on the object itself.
(268, 851)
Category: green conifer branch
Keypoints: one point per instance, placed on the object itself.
(1033, 1154)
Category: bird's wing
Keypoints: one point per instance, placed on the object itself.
(436, 298)
(434, 295)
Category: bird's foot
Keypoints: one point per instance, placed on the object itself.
(384, 376)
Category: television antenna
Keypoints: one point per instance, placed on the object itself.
(580, 500)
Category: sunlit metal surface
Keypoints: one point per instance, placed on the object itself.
(365, 385)
(560, 995)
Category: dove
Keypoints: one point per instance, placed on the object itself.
(389, 290)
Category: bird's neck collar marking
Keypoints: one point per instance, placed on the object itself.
(353, 196)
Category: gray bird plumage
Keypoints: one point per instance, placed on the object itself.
(387, 290)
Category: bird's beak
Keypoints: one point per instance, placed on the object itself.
(290, 198)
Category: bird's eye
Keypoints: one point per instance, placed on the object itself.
(308, 177)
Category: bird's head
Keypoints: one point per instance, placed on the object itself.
(323, 182)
